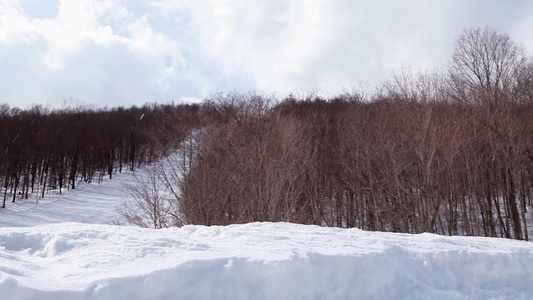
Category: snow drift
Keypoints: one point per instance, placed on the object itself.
(256, 261)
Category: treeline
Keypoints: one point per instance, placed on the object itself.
(44, 150)
(390, 165)
(447, 151)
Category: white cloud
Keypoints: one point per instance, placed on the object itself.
(78, 54)
(300, 45)
(118, 52)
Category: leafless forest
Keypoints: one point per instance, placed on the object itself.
(47, 151)
(448, 151)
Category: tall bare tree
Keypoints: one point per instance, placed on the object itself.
(487, 67)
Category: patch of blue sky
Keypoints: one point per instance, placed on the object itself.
(40, 8)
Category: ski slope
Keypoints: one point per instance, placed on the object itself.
(57, 252)
(88, 203)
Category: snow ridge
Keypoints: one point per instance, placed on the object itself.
(257, 261)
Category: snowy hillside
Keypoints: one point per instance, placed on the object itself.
(88, 203)
(66, 260)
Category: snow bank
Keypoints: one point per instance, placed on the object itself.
(256, 261)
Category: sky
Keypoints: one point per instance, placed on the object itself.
(130, 52)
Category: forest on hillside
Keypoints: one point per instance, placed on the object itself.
(447, 151)
(46, 151)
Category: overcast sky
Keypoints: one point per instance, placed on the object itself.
(114, 52)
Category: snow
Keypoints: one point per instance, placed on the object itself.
(256, 261)
(69, 256)
(88, 203)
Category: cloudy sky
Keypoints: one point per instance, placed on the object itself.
(129, 52)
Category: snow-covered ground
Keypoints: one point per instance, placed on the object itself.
(88, 203)
(61, 259)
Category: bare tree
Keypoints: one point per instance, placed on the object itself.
(486, 66)
(420, 85)
(148, 203)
